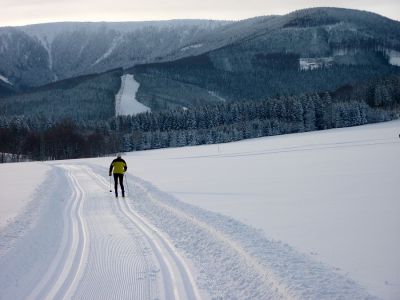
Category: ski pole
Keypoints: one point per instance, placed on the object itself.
(110, 185)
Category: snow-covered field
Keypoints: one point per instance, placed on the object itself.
(125, 100)
(18, 184)
(304, 216)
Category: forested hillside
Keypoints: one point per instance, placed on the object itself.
(6, 89)
(35, 55)
(307, 51)
(44, 138)
(282, 76)
(205, 81)
(84, 98)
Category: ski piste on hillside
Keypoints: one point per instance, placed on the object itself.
(86, 244)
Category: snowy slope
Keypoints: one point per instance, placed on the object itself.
(56, 51)
(330, 194)
(125, 100)
(4, 79)
(325, 205)
(15, 196)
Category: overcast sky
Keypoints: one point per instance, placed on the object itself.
(21, 12)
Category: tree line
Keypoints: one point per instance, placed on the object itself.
(269, 75)
(41, 138)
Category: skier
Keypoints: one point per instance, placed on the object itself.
(119, 165)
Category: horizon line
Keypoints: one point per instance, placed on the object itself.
(187, 19)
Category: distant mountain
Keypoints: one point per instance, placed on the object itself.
(323, 36)
(185, 63)
(309, 32)
(38, 54)
(84, 98)
(309, 50)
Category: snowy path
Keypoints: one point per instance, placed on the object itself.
(64, 271)
(152, 246)
(235, 260)
(177, 280)
(111, 252)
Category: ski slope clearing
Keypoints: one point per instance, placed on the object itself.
(125, 100)
(5, 79)
(306, 216)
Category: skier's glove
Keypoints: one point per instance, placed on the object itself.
(109, 174)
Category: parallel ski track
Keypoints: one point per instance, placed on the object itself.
(118, 265)
(280, 289)
(178, 280)
(277, 287)
(269, 280)
(276, 270)
(61, 279)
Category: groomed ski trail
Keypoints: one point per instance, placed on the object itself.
(61, 278)
(281, 291)
(150, 245)
(233, 260)
(179, 283)
(108, 251)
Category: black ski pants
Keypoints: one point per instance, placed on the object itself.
(119, 177)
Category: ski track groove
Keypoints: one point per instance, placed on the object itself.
(189, 282)
(52, 275)
(127, 249)
(172, 281)
(182, 281)
(117, 264)
(257, 268)
(82, 234)
(276, 287)
(68, 263)
(134, 260)
(101, 181)
(269, 278)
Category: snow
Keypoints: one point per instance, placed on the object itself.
(214, 94)
(330, 194)
(315, 63)
(47, 32)
(110, 50)
(46, 46)
(5, 79)
(192, 47)
(394, 57)
(304, 216)
(125, 100)
(18, 184)
(319, 62)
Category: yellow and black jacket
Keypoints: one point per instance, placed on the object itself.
(119, 165)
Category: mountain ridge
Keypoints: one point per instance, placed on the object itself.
(32, 57)
(310, 50)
